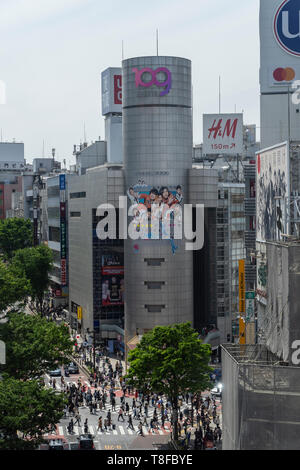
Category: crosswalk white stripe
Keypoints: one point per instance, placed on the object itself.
(91, 428)
(136, 427)
(129, 431)
(122, 430)
(160, 431)
(115, 431)
(60, 430)
(145, 431)
(76, 430)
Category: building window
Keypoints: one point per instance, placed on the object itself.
(154, 261)
(154, 284)
(155, 308)
(77, 195)
(75, 214)
(54, 234)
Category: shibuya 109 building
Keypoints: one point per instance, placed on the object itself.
(157, 150)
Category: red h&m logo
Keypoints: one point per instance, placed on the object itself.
(217, 130)
(118, 89)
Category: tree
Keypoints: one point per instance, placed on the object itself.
(36, 263)
(14, 286)
(170, 360)
(15, 234)
(27, 410)
(33, 346)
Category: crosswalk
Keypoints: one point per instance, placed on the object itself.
(62, 431)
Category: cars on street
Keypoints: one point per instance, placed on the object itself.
(55, 372)
(86, 442)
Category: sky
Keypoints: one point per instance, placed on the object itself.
(52, 54)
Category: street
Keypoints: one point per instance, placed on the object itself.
(122, 437)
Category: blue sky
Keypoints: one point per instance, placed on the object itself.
(53, 51)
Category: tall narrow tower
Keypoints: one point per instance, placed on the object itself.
(157, 150)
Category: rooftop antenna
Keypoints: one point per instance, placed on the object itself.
(219, 94)
(157, 42)
(84, 133)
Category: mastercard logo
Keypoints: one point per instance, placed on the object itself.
(284, 75)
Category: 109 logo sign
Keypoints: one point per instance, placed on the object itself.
(166, 84)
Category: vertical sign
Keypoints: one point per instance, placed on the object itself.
(117, 89)
(250, 296)
(63, 230)
(242, 285)
(79, 313)
(242, 331)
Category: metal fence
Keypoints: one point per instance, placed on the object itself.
(261, 400)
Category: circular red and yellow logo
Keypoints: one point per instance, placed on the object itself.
(284, 75)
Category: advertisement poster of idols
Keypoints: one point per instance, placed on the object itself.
(157, 207)
(112, 271)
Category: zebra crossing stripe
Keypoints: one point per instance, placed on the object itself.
(136, 428)
(122, 430)
(115, 432)
(60, 430)
(76, 430)
(160, 431)
(129, 431)
(91, 429)
(145, 431)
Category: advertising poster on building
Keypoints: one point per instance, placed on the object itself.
(250, 300)
(157, 207)
(262, 272)
(112, 271)
(272, 192)
(222, 134)
(279, 44)
(111, 81)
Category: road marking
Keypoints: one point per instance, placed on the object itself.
(129, 431)
(60, 430)
(76, 430)
(115, 431)
(145, 431)
(122, 430)
(91, 429)
(160, 431)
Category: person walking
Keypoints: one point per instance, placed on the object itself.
(130, 425)
(121, 415)
(78, 419)
(140, 429)
(100, 426)
(86, 429)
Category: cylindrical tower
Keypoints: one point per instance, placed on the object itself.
(157, 146)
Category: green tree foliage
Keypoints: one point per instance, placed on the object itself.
(36, 263)
(27, 411)
(14, 286)
(170, 360)
(15, 234)
(33, 345)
